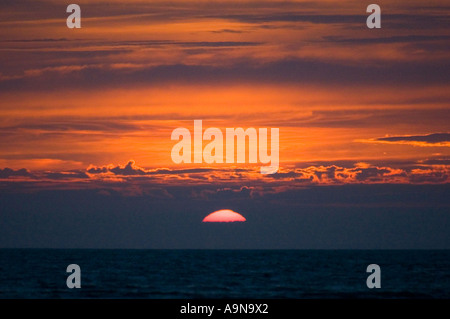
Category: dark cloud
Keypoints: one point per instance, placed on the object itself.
(234, 192)
(390, 39)
(106, 126)
(287, 175)
(420, 21)
(390, 20)
(8, 172)
(218, 44)
(367, 117)
(436, 161)
(371, 173)
(434, 177)
(88, 46)
(227, 31)
(36, 40)
(59, 59)
(288, 71)
(166, 171)
(430, 138)
(65, 175)
(98, 170)
(131, 169)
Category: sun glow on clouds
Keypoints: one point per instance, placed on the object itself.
(116, 88)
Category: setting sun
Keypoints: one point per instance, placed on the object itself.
(224, 216)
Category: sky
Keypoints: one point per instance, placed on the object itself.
(86, 117)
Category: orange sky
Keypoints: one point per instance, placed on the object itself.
(115, 89)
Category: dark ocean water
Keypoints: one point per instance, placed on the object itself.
(41, 273)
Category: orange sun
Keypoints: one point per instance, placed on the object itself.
(224, 216)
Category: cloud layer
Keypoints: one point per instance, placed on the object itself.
(116, 88)
(131, 179)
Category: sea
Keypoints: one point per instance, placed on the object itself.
(241, 274)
